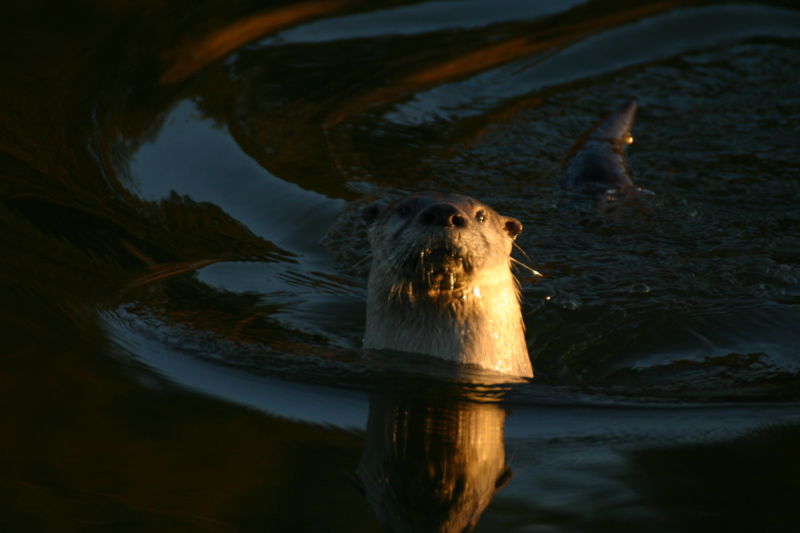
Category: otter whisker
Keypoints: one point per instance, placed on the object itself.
(361, 261)
(521, 250)
(533, 271)
(520, 263)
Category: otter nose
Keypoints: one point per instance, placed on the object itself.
(443, 215)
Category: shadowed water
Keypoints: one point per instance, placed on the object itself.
(184, 268)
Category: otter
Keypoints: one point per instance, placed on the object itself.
(597, 157)
(440, 282)
(595, 165)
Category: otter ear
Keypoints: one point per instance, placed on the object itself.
(371, 212)
(512, 226)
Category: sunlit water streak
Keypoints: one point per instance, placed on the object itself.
(419, 18)
(645, 41)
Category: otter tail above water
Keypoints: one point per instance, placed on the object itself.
(597, 160)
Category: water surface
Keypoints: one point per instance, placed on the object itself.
(183, 327)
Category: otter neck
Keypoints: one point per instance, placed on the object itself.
(480, 323)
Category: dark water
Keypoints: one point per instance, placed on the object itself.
(181, 330)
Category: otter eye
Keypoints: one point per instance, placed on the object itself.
(480, 216)
(404, 210)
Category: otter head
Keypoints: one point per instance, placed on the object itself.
(440, 282)
(438, 245)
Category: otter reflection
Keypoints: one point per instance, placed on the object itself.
(432, 465)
